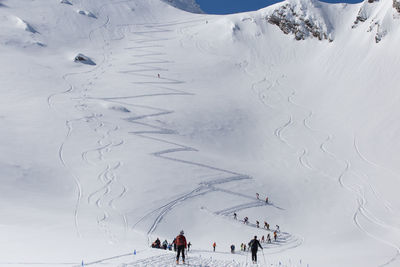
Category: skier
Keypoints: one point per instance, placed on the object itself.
(266, 226)
(234, 215)
(232, 248)
(246, 220)
(262, 239)
(244, 247)
(189, 245)
(277, 228)
(254, 245)
(269, 239)
(181, 245)
(214, 245)
(258, 195)
(158, 75)
(275, 235)
(241, 247)
(165, 244)
(157, 243)
(258, 224)
(266, 200)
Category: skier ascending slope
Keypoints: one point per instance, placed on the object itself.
(181, 245)
(254, 245)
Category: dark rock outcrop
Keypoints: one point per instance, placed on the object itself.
(81, 58)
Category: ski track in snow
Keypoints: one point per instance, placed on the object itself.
(359, 190)
(107, 177)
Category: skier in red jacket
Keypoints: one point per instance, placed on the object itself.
(181, 245)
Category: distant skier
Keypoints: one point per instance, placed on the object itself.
(275, 235)
(269, 239)
(235, 216)
(181, 245)
(165, 244)
(158, 75)
(258, 195)
(156, 244)
(232, 248)
(241, 247)
(266, 200)
(254, 245)
(189, 245)
(277, 229)
(266, 225)
(257, 224)
(246, 220)
(214, 246)
(262, 239)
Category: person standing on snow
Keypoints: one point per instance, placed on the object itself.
(254, 245)
(234, 215)
(174, 242)
(189, 245)
(181, 245)
(214, 246)
(232, 248)
(257, 195)
(257, 224)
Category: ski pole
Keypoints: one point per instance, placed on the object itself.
(265, 262)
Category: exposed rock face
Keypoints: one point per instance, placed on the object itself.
(396, 5)
(298, 23)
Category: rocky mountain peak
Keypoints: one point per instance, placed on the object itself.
(302, 19)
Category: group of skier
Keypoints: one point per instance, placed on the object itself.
(168, 246)
(180, 244)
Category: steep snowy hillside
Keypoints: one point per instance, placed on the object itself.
(128, 120)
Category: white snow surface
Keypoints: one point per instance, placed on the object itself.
(99, 160)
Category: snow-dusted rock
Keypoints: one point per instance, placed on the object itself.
(66, 2)
(365, 12)
(84, 59)
(378, 17)
(187, 5)
(396, 5)
(87, 13)
(297, 19)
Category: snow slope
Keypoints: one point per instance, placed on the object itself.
(99, 160)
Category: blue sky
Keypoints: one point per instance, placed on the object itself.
(235, 6)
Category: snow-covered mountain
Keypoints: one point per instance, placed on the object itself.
(187, 5)
(128, 120)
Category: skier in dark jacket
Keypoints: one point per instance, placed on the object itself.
(181, 245)
(254, 245)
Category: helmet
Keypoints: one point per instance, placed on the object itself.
(182, 232)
